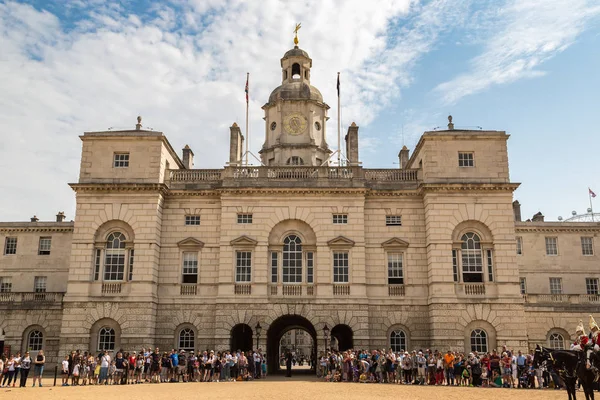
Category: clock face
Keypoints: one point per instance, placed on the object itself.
(294, 123)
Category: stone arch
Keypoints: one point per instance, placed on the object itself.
(292, 226)
(95, 330)
(344, 336)
(278, 328)
(341, 317)
(177, 332)
(30, 320)
(488, 328)
(231, 318)
(241, 337)
(398, 327)
(106, 310)
(27, 332)
(114, 225)
(560, 331)
(485, 234)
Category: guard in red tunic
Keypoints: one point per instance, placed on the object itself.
(581, 339)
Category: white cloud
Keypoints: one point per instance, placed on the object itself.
(525, 35)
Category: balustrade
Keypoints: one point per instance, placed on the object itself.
(242, 289)
(30, 297)
(111, 288)
(396, 290)
(188, 290)
(474, 289)
(341, 290)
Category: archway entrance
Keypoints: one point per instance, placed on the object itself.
(241, 338)
(343, 337)
(280, 327)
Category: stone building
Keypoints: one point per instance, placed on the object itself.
(433, 254)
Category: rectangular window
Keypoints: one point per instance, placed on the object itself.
(190, 267)
(291, 266)
(519, 245)
(591, 285)
(340, 218)
(274, 266)
(131, 255)
(556, 286)
(121, 160)
(243, 266)
(465, 160)
(10, 245)
(244, 218)
(97, 258)
(5, 284)
(393, 220)
(551, 246)
(587, 246)
(523, 285)
(192, 220)
(455, 265)
(44, 246)
(114, 264)
(310, 267)
(340, 267)
(395, 272)
(39, 284)
(490, 263)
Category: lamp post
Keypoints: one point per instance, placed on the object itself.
(326, 335)
(257, 328)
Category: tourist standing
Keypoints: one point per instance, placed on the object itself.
(25, 367)
(38, 367)
(104, 364)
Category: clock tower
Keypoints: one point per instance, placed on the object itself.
(295, 117)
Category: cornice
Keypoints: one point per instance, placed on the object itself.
(119, 187)
(35, 229)
(293, 191)
(468, 187)
(557, 228)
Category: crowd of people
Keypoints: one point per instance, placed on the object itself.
(507, 368)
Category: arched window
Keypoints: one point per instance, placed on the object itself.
(35, 341)
(398, 341)
(106, 339)
(479, 341)
(295, 160)
(296, 71)
(472, 258)
(117, 256)
(187, 339)
(556, 341)
(292, 259)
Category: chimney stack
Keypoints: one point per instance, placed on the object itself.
(352, 145)
(188, 157)
(539, 217)
(34, 219)
(517, 210)
(236, 144)
(60, 217)
(403, 157)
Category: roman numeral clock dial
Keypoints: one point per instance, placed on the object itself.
(294, 123)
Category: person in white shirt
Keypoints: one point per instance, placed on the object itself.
(104, 364)
(65, 371)
(256, 357)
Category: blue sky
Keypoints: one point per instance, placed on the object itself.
(527, 67)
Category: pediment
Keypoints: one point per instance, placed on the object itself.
(243, 241)
(191, 243)
(394, 243)
(341, 241)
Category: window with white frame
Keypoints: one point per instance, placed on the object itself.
(490, 264)
(121, 160)
(190, 267)
(115, 257)
(556, 286)
(556, 341)
(341, 269)
(292, 260)
(466, 159)
(106, 339)
(523, 285)
(591, 285)
(398, 340)
(587, 246)
(10, 246)
(39, 284)
(274, 267)
(340, 218)
(551, 246)
(393, 220)
(187, 339)
(479, 341)
(455, 265)
(5, 284)
(44, 246)
(519, 245)
(35, 340)
(192, 220)
(395, 271)
(244, 218)
(310, 268)
(472, 258)
(243, 266)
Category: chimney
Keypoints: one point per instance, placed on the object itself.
(539, 217)
(403, 157)
(34, 219)
(188, 157)
(236, 144)
(517, 210)
(352, 145)
(60, 217)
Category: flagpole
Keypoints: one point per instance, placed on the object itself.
(591, 206)
(339, 155)
(247, 102)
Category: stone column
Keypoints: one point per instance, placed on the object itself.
(403, 157)
(236, 144)
(188, 157)
(352, 145)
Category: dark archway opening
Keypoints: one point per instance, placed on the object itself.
(296, 71)
(241, 338)
(276, 331)
(343, 336)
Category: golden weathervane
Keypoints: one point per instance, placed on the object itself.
(298, 26)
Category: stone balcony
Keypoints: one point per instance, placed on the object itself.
(30, 300)
(561, 299)
(297, 176)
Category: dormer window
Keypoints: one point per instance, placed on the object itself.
(121, 160)
(296, 71)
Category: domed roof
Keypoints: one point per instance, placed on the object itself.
(296, 91)
(296, 51)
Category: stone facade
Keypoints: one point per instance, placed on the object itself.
(429, 255)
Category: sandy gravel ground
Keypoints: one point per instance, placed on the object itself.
(276, 388)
